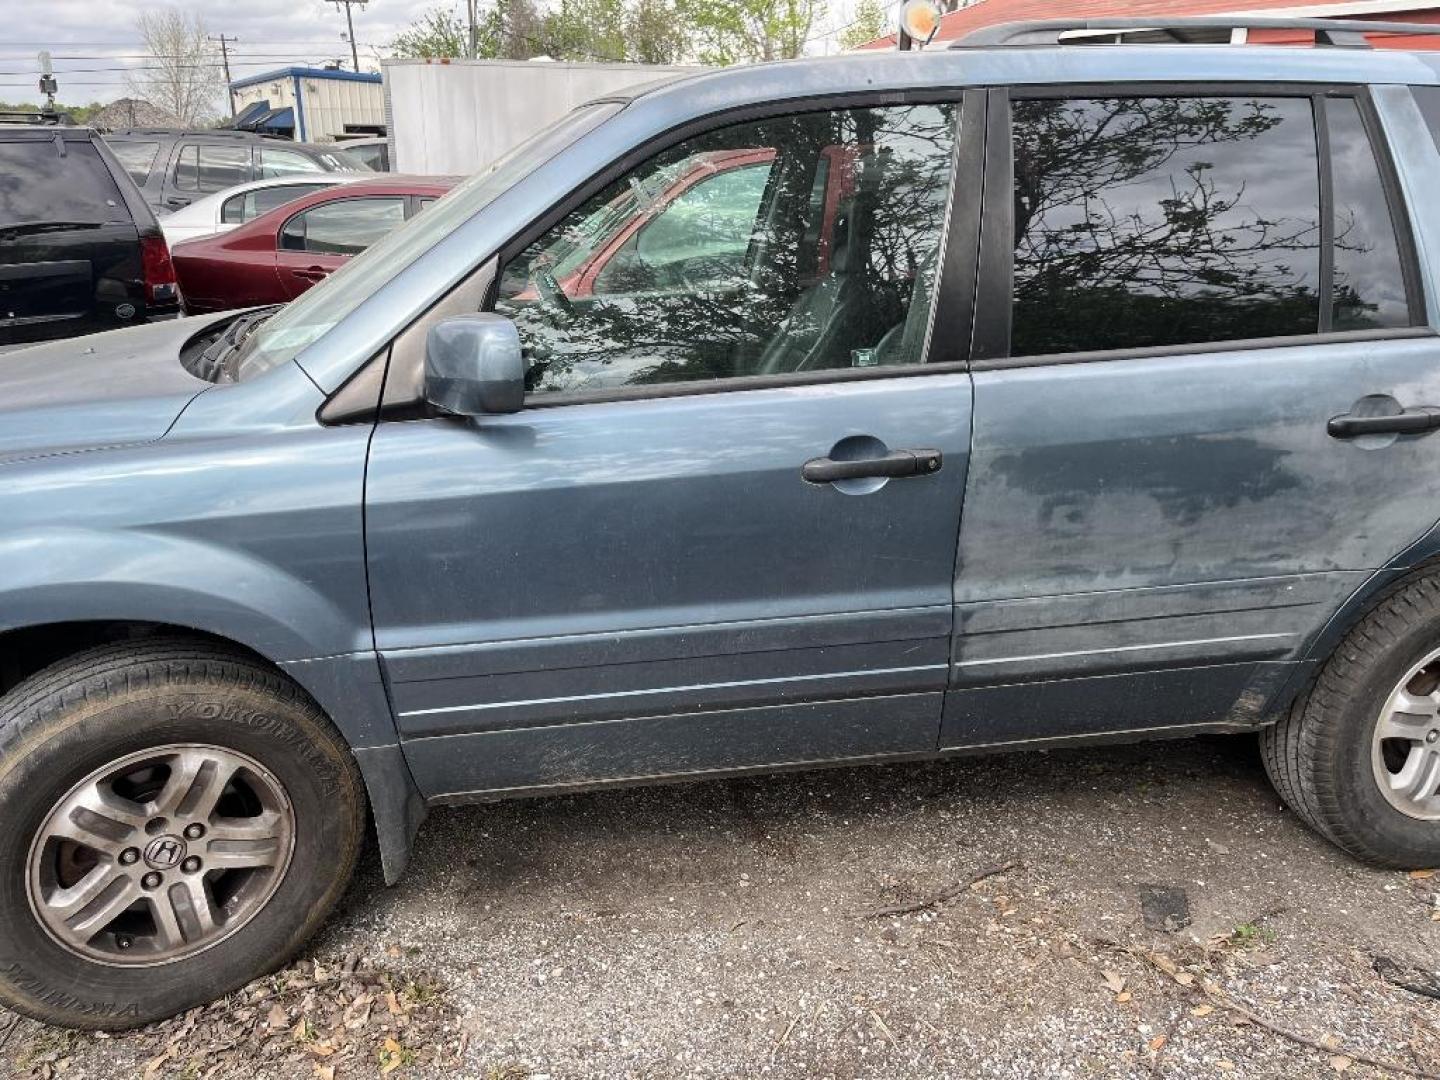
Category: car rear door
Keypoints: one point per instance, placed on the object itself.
(1202, 383)
(69, 249)
(721, 534)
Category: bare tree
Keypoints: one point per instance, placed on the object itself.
(181, 73)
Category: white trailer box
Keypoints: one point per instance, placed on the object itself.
(452, 117)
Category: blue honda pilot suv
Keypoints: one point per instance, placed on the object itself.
(1055, 388)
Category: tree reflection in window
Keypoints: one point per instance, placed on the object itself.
(1158, 221)
(799, 243)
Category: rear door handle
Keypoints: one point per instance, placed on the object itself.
(315, 273)
(1408, 422)
(894, 464)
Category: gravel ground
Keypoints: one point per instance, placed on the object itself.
(724, 929)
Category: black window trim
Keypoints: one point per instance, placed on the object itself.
(994, 297)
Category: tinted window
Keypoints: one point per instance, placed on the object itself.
(736, 253)
(1157, 221)
(1428, 98)
(343, 227)
(37, 184)
(137, 157)
(1369, 279)
(373, 155)
(223, 166)
(285, 163)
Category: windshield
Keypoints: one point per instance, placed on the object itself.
(314, 314)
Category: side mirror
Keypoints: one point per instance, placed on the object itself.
(473, 365)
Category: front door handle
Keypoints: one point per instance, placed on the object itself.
(894, 464)
(1407, 422)
(315, 273)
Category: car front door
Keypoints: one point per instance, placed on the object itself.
(721, 533)
(1200, 321)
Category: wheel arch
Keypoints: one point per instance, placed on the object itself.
(347, 688)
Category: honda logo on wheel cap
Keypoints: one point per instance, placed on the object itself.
(165, 852)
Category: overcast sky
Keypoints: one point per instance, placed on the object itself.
(94, 41)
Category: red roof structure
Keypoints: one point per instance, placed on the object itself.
(984, 13)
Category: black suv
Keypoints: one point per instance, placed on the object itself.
(80, 250)
(174, 168)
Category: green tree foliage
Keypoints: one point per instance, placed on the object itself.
(440, 32)
(80, 114)
(870, 22)
(737, 31)
(638, 31)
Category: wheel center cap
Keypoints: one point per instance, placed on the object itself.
(164, 852)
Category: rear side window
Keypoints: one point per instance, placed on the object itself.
(40, 183)
(343, 227)
(1369, 284)
(203, 167)
(137, 157)
(241, 208)
(1162, 221)
(1428, 98)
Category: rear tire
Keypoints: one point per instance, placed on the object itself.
(179, 820)
(1358, 756)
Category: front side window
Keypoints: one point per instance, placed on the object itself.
(1146, 222)
(285, 163)
(342, 227)
(799, 243)
(137, 157)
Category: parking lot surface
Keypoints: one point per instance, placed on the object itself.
(729, 928)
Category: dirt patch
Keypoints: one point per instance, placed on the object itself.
(729, 929)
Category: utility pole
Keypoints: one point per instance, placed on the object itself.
(225, 60)
(474, 30)
(350, 25)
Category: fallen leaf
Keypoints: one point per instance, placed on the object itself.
(1224, 1065)
(1340, 1063)
(1184, 978)
(1330, 1042)
(277, 1017)
(1202, 1010)
(1123, 996)
(1157, 1043)
(393, 1003)
(1164, 963)
(325, 1072)
(1421, 875)
(1114, 980)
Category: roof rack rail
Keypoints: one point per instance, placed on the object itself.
(41, 116)
(1339, 33)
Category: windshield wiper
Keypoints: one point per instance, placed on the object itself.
(21, 227)
(220, 360)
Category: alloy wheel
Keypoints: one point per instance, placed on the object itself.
(160, 855)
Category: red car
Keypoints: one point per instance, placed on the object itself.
(279, 255)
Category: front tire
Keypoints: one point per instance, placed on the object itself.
(179, 820)
(1358, 756)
